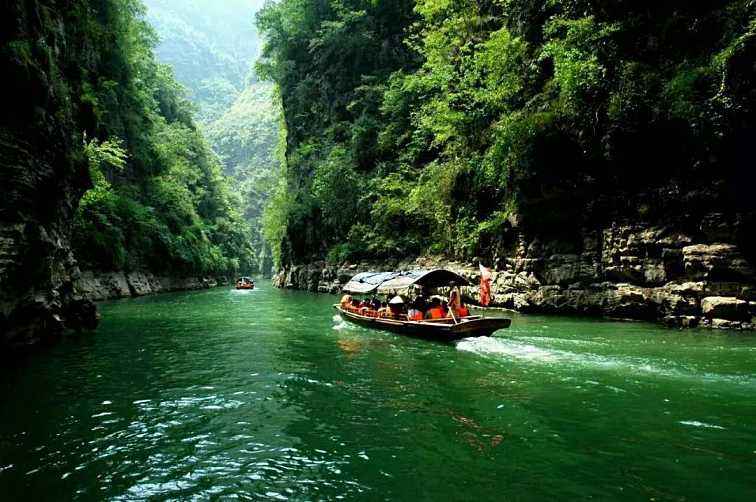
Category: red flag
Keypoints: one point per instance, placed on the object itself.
(485, 285)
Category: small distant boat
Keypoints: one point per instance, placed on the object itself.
(394, 283)
(245, 283)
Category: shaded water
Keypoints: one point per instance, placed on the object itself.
(267, 395)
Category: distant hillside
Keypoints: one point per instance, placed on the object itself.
(212, 46)
(245, 136)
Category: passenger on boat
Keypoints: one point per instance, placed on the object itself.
(375, 303)
(455, 298)
(421, 302)
(396, 304)
(463, 311)
(435, 311)
(346, 301)
(364, 306)
(415, 313)
(445, 309)
(384, 311)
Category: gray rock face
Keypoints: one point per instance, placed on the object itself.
(716, 262)
(725, 307)
(42, 172)
(623, 271)
(105, 286)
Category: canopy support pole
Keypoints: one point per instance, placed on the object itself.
(452, 314)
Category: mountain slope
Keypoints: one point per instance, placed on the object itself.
(212, 46)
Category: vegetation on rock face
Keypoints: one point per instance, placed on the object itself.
(451, 125)
(212, 46)
(246, 137)
(160, 200)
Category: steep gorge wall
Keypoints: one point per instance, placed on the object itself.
(42, 171)
(98, 286)
(630, 271)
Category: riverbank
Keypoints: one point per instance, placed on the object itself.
(623, 272)
(99, 286)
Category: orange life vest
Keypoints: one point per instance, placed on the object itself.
(436, 313)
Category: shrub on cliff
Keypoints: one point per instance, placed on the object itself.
(160, 200)
(466, 118)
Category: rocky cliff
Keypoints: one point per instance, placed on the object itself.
(645, 272)
(110, 285)
(42, 171)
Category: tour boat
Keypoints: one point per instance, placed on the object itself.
(245, 283)
(394, 283)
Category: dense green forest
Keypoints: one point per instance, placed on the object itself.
(160, 200)
(443, 126)
(212, 46)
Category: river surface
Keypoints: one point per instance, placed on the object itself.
(265, 395)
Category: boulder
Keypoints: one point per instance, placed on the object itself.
(139, 284)
(114, 285)
(525, 281)
(552, 299)
(688, 289)
(561, 269)
(672, 304)
(725, 307)
(681, 321)
(654, 272)
(748, 293)
(627, 301)
(716, 262)
(726, 324)
(564, 269)
(513, 301)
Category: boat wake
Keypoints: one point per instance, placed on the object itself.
(339, 323)
(696, 423)
(495, 346)
(516, 350)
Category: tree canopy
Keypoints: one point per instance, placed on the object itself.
(445, 125)
(160, 200)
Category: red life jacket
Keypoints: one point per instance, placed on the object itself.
(436, 313)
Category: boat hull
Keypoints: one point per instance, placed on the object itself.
(444, 330)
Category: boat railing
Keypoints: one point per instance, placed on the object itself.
(366, 312)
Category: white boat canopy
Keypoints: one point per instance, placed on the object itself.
(367, 282)
(389, 283)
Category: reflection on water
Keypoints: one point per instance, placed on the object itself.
(265, 394)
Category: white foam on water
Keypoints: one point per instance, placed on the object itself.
(696, 423)
(564, 341)
(508, 348)
(340, 326)
(515, 349)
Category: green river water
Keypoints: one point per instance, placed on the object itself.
(265, 395)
